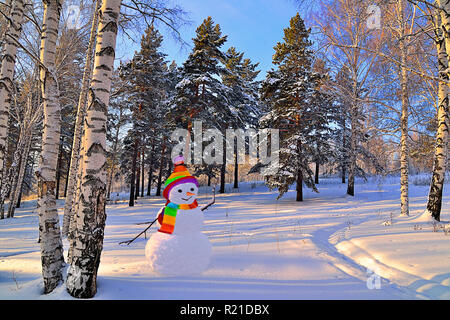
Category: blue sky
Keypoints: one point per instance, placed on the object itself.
(252, 26)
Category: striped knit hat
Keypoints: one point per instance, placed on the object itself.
(179, 175)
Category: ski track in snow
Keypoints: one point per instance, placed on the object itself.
(263, 248)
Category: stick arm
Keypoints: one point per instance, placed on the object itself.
(212, 202)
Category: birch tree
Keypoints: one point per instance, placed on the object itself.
(5, 8)
(90, 215)
(27, 119)
(434, 203)
(404, 150)
(79, 125)
(8, 61)
(343, 25)
(49, 231)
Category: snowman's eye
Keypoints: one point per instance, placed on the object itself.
(192, 189)
(180, 191)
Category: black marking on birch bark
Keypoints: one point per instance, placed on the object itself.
(96, 148)
(97, 105)
(103, 66)
(111, 13)
(91, 238)
(98, 119)
(102, 130)
(9, 58)
(111, 26)
(102, 90)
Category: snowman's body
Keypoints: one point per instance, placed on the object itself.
(186, 251)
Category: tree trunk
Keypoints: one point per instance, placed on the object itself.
(3, 27)
(77, 135)
(445, 23)
(404, 150)
(142, 172)
(434, 203)
(67, 178)
(343, 175)
(161, 168)
(90, 214)
(236, 171)
(11, 176)
(344, 160)
(150, 171)
(223, 170)
(133, 176)
(8, 61)
(15, 196)
(353, 139)
(20, 197)
(49, 232)
(299, 188)
(316, 175)
(138, 174)
(114, 152)
(58, 171)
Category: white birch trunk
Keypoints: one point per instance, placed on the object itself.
(445, 22)
(8, 61)
(14, 198)
(10, 178)
(434, 203)
(49, 231)
(404, 148)
(114, 153)
(90, 212)
(14, 170)
(72, 221)
(3, 25)
(81, 110)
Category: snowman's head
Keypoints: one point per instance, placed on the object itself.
(180, 186)
(184, 193)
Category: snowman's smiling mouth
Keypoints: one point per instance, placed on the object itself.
(186, 199)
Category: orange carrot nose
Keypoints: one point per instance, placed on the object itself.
(190, 194)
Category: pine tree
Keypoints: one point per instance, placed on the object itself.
(240, 78)
(148, 78)
(296, 108)
(200, 94)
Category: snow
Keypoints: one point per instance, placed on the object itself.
(178, 255)
(328, 247)
(185, 252)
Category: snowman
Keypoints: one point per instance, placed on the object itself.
(179, 247)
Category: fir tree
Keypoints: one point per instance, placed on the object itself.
(296, 108)
(200, 94)
(148, 78)
(240, 78)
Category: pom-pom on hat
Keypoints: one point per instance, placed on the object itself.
(179, 175)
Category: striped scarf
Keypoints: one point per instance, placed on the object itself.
(170, 214)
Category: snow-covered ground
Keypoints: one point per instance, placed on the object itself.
(327, 247)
